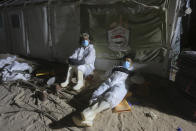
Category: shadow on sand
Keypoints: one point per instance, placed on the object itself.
(159, 94)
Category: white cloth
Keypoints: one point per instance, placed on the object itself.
(8, 76)
(16, 66)
(7, 61)
(51, 81)
(13, 70)
(113, 90)
(88, 54)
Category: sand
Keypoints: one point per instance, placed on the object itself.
(150, 112)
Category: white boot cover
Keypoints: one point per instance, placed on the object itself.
(80, 82)
(79, 122)
(69, 73)
(89, 114)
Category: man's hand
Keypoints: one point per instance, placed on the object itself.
(92, 101)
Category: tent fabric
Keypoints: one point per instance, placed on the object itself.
(145, 26)
(177, 32)
(16, 34)
(28, 2)
(65, 30)
(4, 46)
(107, 2)
(175, 44)
(60, 23)
(43, 31)
(37, 32)
(99, 2)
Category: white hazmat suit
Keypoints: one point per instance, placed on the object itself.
(108, 95)
(113, 90)
(87, 55)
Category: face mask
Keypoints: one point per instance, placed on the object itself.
(126, 64)
(85, 43)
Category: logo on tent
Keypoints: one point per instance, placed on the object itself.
(118, 38)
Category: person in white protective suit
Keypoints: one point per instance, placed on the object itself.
(108, 95)
(82, 62)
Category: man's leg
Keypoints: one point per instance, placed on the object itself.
(69, 74)
(98, 92)
(89, 114)
(80, 82)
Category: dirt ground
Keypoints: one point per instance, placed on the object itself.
(151, 108)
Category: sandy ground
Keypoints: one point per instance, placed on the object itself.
(151, 109)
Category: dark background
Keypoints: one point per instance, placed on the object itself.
(192, 31)
(189, 29)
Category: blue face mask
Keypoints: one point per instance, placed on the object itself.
(85, 43)
(126, 64)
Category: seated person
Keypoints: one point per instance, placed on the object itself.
(108, 95)
(82, 62)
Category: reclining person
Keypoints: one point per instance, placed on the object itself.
(108, 95)
(82, 62)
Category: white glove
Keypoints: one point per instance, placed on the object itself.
(92, 101)
(188, 11)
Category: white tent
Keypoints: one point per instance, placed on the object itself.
(50, 29)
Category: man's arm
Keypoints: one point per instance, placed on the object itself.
(121, 69)
(76, 62)
(75, 54)
(90, 57)
(73, 58)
